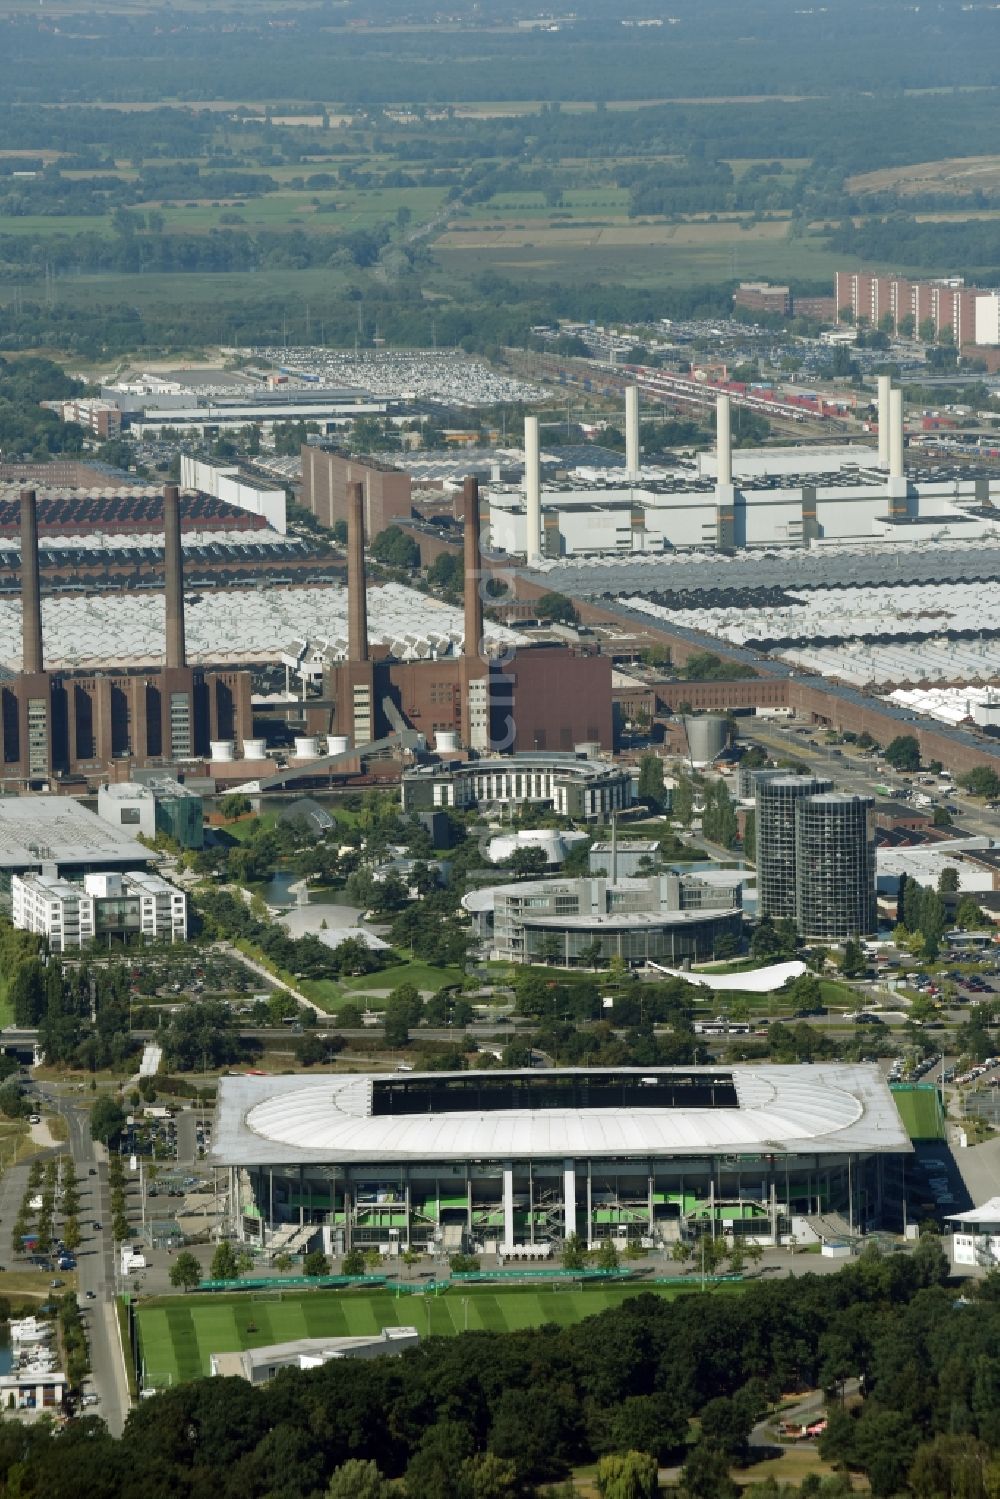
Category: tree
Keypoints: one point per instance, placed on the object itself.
(719, 817)
(557, 609)
(948, 880)
(234, 805)
(590, 953)
(487, 1476)
(107, 1119)
(13, 1104)
(705, 1475)
(394, 548)
(574, 1253)
(71, 1233)
(982, 780)
(627, 1475)
(969, 916)
(607, 1255)
(433, 1468)
(225, 1262)
(750, 836)
(316, 1263)
(353, 1263)
(358, 1479)
(27, 994)
(185, 1272)
(527, 863)
(853, 962)
(651, 781)
(903, 752)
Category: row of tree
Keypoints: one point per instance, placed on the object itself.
(500, 1414)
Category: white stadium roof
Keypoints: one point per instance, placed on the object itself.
(832, 1109)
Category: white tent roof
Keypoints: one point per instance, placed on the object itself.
(755, 981)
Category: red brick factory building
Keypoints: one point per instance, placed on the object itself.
(544, 697)
(61, 725)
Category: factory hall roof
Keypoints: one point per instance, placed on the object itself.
(586, 1112)
(234, 625)
(56, 830)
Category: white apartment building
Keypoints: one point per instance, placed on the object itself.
(69, 915)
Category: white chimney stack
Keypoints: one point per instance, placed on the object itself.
(896, 434)
(632, 460)
(723, 442)
(884, 419)
(532, 491)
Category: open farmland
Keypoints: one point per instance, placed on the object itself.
(961, 174)
(680, 263)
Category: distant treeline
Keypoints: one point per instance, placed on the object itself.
(732, 47)
(493, 312)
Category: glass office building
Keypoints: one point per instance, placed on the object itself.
(777, 798)
(835, 867)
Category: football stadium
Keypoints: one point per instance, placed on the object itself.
(514, 1162)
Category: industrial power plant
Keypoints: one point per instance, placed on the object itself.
(733, 499)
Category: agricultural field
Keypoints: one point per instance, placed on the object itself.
(691, 256)
(962, 174)
(178, 1334)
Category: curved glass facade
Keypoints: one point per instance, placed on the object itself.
(777, 798)
(835, 867)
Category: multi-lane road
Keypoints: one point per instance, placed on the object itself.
(95, 1258)
(851, 771)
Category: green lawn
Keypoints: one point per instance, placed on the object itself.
(920, 1110)
(330, 995)
(177, 1334)
(6, 1008)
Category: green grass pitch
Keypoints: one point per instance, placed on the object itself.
(177, 1334)
(920, 1110)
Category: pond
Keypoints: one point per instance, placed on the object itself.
(277, 891)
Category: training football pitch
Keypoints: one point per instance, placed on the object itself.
(920, 1110)
(178, 1333)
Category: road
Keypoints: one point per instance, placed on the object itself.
(95, 1261)
(857, 773)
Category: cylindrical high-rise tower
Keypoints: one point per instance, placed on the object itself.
(173, 576)
(835, 867)
(31, 588)
(776, 800)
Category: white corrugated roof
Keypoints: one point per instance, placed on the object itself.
(781, 1109)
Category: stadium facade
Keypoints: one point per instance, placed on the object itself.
(513, 1162)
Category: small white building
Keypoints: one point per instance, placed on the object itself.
(975, 1236)
(260, 1365)
(70, 914)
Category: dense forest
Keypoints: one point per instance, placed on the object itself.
(911, 1370)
